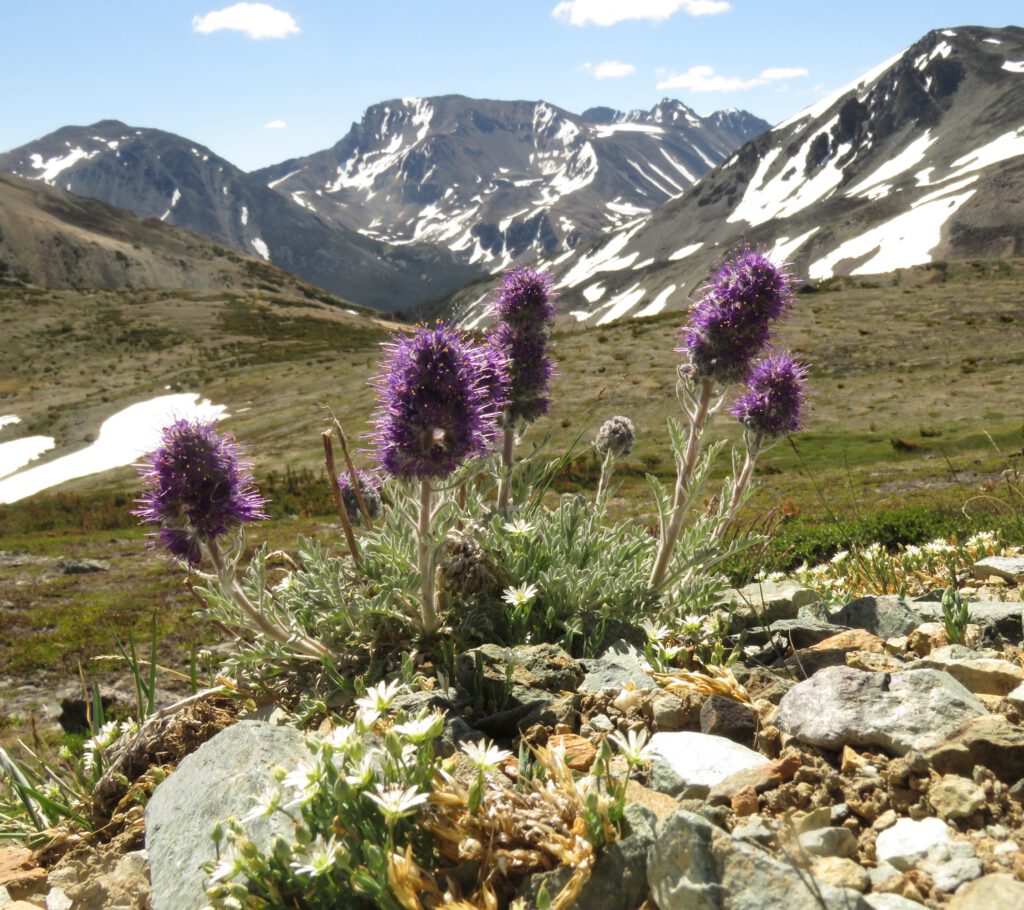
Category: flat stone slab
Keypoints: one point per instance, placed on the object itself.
(998, 619)
(223, 777)
(841, 706)
(690, 764)
(908, 841)
(886, 616)
(982, 675)
(620, 665)
(762, 603)
(1010, 568)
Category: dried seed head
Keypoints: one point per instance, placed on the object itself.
(617, 436)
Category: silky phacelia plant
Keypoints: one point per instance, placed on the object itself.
(493, 379)
(433, 413)
(772, 403)
(731, 323)
(196, 489)
(524, 309)
(438, 406)
(369, 489)
(523, 312)
(729, 328)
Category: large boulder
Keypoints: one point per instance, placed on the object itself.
(224, 777)
(886, 616)
(695, 866)
(764, 602)
(841, 706)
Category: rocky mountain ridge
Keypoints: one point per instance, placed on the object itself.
(920, 159)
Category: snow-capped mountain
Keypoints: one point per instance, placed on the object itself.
(160, 175)
(920, 159)
(497, 182)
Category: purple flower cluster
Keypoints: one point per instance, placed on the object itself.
(439, 398)
(524, 310)
(772, 403)
(196, 489)
(369, 488)
(731, 324)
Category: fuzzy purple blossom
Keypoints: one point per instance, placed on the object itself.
(432, 411)
(196, 489)
(731, 323)
(524, 309)
(772, 403)
(493, 377)
(369, 488)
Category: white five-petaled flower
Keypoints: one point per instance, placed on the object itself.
(484, 755)
(521, 596)
(633, 746)
(395, 803)
(343, 737)
(379, 697)
(420, 729)
(518, 526)
(304, 780)
(230, 865)
(265, 804)
(361, 775)
(320, 859)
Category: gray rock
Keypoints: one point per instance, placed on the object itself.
(618, 880)
(806, 631)
(5, 897)
(839, 706)
(829, 842)
(622, 663)
(456, 731)
(886, 616)
(755, 828)
(998, 620)
(221, 778)
(1016, 698)
(950, 865)
(721, 716)
(1010, 568)
(695, 866)
(546, 667)
(908, 841)
(671, 713)
(81, 566)
(993, 892)
(690, 764)
(956, 797)
(765, 602)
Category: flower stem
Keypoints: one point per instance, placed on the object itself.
(272, 630)
(428, 612)
(740, 486)
(684, 474)
(353, 475)
(332, 477)
(505, 485)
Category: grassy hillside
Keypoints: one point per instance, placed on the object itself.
(917, 409)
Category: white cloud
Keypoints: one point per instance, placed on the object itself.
(608, 12)
(275, 125)
(704, 79)
(775, 73)
(257, 20)
(609, 69)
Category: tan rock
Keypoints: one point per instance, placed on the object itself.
(841, 872)
(745, 803)
(579, 752)
(926, 638)
(661, 804)
(982, 675)
(760, 778)
(19, 874)
(991, 892)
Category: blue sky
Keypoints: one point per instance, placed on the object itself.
(261, 82)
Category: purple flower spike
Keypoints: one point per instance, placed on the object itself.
(432, 411)
(493, 377)
(525, 299)
(773, 401)
(524, 310)
(751, 281)
(369, 487)
(197, 489)
(731, 324)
